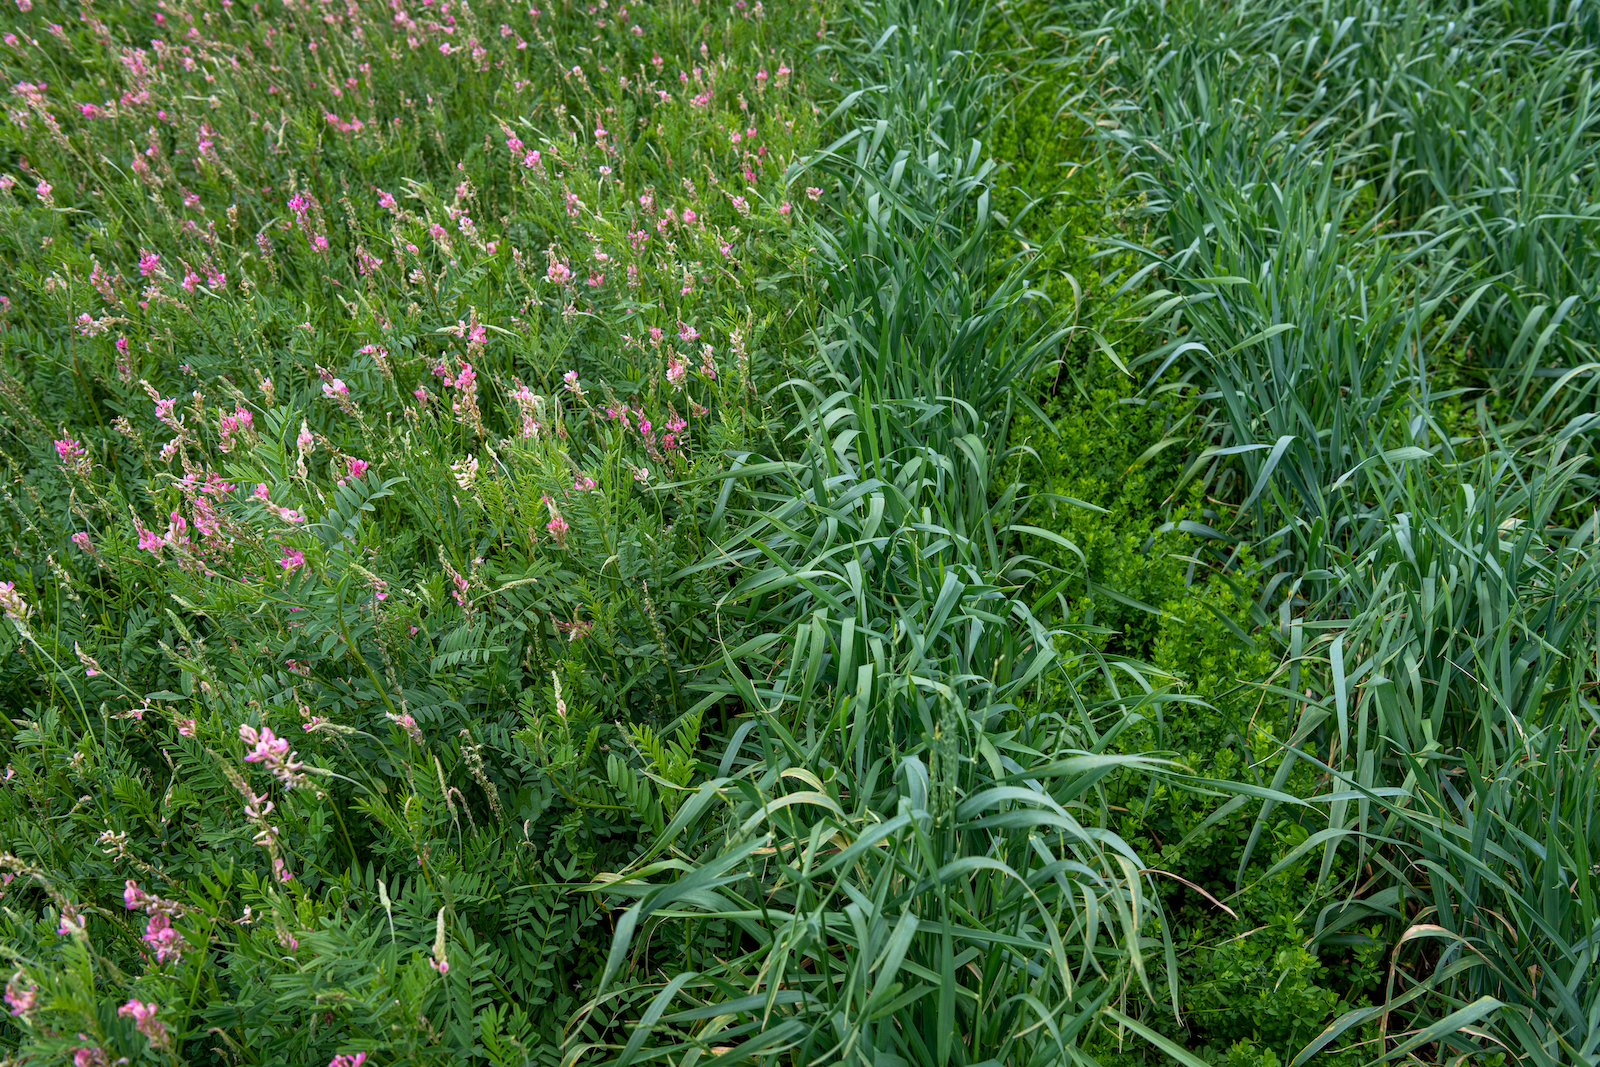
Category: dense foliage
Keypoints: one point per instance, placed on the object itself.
(891, 532)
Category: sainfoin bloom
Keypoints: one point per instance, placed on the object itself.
(21, 999)
(166, 941)
(355, 1060)
(12, 604)
(273, 752)
(293, 559)
(557, 525)
(144, 1019)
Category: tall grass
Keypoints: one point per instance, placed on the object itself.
(1366, 231)
(910, 841)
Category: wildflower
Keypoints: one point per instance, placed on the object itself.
(784, 209)
(293, 560)
(559, 273)
(68, 449)
(71, 922)
(133, 897)
(348, 1061)
(357, 467)
(81, 539)
(813, 192)
(335, 389)
(16, 609)
(42, 190)
(150, 541)
(677, 371)
(149, 263)
(557, 525)
(386, 201)
(160, 936)
(22, 1000)
(190, 280)
(186, 727)
(575, 629)
(465, 471)
(687, 333)
(144, 1019)
(88, 1057)
(440, 961)
(582, 483)
(272, 752)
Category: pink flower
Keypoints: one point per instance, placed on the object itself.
(81, 539)
(386, 201)
(348, 1061)
(71, 922)
(357, 467)
(557, 525)
(186, 727)
(12, 604)
(151, 542)
(784, 210)
(67, 448)
(559, 273)
(167, 942)
(42, 190)
(687, 333)
(149, 263)
(273, 752)
(144, 1019)
(813, 192)
(293, 560)
(22, 1000)
(190, 280)
(134, 897)
(89, 1057)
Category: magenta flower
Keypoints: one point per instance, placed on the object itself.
(134, 897)
(67, 448)
(151, 542)
(557, 525)
(348, 1061)
(357, 467)
(293, 559)
(160, 936)
(687, 333)
(149, 263)
(22, 1000)
(144, 1019)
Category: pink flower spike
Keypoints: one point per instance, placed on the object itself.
(293, 560)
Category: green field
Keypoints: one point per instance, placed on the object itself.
(893, 533)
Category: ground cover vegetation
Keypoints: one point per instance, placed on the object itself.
(878, 533)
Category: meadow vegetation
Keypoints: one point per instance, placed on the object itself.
(876, 532)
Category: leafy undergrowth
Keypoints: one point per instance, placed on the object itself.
(880, 533)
